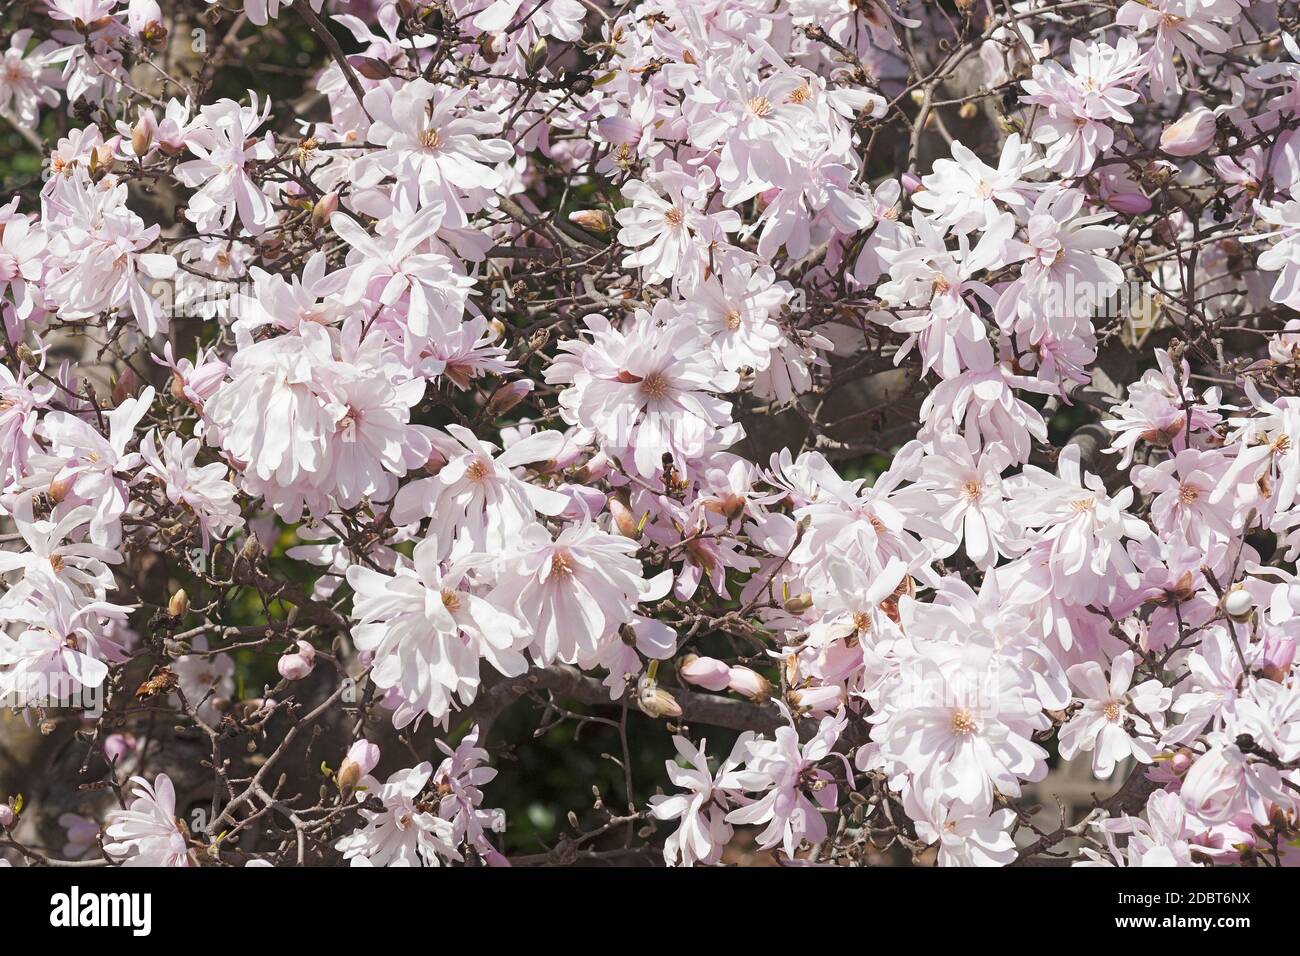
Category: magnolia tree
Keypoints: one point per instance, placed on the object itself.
(899, 395)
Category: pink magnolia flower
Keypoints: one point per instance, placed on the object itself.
(405, 832)
(147, 832)
(965, 838)
(475, 501)
(1183, 28)
(702, 809)
(26, 81)
(794, 788)
(646, 390)
(1082, 102)
(225, 145)
(1115, 721)
(1083, 529)
(575, 591)
(427, 630)
(203, 490)
(672, 236)
(433, 135)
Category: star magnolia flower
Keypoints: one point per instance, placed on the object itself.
(1182, 487)
(794, 788)
(984, 404)
(1082, 101)
(407, 832)
(1283, 256)
(147, 832)
(318, 419)
(575, 591)
(21, 399)
(1160, 411)
(964, 838)
(64, 645)
(458, 779)
(26, 82)
(969, 489)
(475, 500)
(736, 312)
(963, 193)
(1063, 281)
(1103, 724)
(1163, 839)
(224, 146)
(928, 276)
(91, 463)
(22, 262)
(1183, 29)
(96, 252)
(702, 810)
(52, 549)
(1083, 528)
(202, 490)
(965, 714)
(427, 631)
(391, 267)
(436, 139)
(671, 236)
(645, 390)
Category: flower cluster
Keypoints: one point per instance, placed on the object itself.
(914, 395)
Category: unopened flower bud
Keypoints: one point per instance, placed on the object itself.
(749, 683)
(124, 387)
(101, 160)
(624, 519)
(142, 134)
(1279, 655)
(293, 666)
(536, 58)
(370, 67)
(967, 111)
(179, 605)
(363, 757)
(1238, 603)
(798, 603)
(252, 549)
(593, 220)
(144, 19)
(816, 699)
(707, 672)
(325, 207)
(7, 816)
(654, 701)
(596, 468)
(59, 487)
(435, 464)
(508, 396)
(117, 746)
(1130, 204)
(1190, 135)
